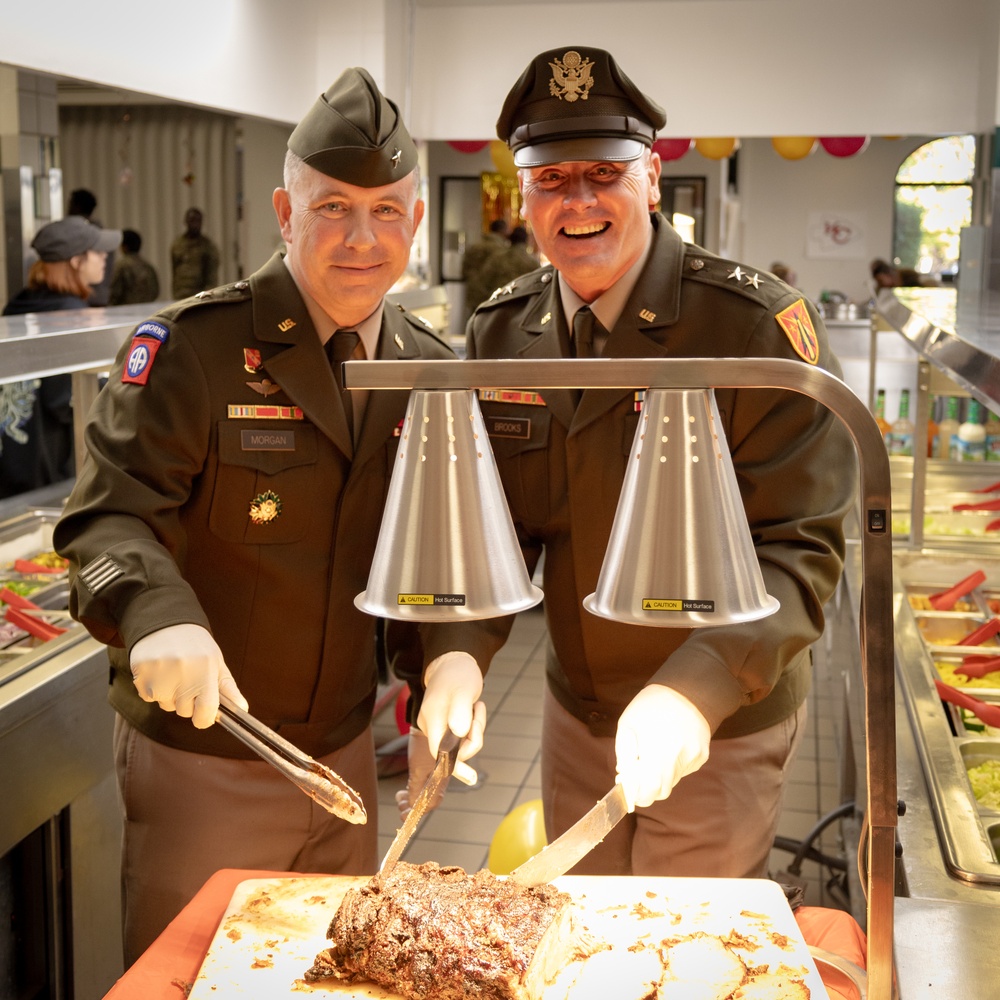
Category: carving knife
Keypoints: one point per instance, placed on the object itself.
(580, 839)
(443, 767)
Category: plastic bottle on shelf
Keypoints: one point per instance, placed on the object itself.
(970, 441)
(992, 437)
(932, 432)
(883, 424)
(901, 434)
(948, 428)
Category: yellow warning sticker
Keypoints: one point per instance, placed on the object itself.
(676, 604)
(454, 600)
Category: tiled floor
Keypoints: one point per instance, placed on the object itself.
(461, 829)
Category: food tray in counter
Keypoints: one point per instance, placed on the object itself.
(927, 649)
(30, 569)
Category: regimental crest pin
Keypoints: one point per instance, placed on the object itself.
(251, 360)
(265, 507)
(571, 80)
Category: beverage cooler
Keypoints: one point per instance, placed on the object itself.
(946, 532)
(60, 932)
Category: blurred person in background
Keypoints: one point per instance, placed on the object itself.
(503, 267)
(194, 258)
(83, 202)
(135, 279)
(36, 416)
(475, 261)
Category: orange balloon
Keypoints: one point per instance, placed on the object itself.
(717, 148)
(794, 147)
(503, 158)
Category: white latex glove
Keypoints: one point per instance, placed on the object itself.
(661, 737)
(452, 686)
(420, 763)
(181, 668)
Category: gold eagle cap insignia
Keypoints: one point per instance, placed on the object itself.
(571, 79)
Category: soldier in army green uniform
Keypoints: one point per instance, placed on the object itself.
(226, 518)
(194, 258)
(698, 725)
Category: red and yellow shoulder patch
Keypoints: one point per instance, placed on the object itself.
(798, 328)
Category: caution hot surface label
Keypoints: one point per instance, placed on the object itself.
(676, 604)
(454, 600)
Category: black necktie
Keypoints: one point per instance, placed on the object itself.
(340, 348)
(583, 332)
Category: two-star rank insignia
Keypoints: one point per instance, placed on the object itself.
(798, 328)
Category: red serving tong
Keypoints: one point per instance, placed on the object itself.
(985, 631)
(990, 714)
(32, 568)
(17, 613)
(985, 505)
(992, 488)
(945, 600)
(978, 666)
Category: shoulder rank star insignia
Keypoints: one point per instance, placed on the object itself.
(265, 507)
(755, 280)
(265, 387)
(571, 80)
(736, 272)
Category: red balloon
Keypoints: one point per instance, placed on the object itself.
(468, 145)
(672, 149)
(845, 145)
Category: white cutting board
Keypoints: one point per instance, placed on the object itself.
(274, 928)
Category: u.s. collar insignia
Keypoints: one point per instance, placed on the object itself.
(546, 318)
(395, 158)
(286, 324)
(398, 341)
(798, 328)
(251, 360)
(265, 507)
(571, 79)
(265, 387)
(647, 315)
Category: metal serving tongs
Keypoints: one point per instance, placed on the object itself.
(320, 783)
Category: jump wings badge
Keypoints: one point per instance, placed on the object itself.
(571, 80)
(265, 507)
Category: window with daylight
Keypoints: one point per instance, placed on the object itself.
(933, 202)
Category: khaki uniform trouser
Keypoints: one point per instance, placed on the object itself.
(720, 821)
(187, 816)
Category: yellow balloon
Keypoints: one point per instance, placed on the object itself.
(520, 835)
(794, 147)
(503, 158)
(716, 148)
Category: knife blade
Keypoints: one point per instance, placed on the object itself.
(580, 839)
(443, 767)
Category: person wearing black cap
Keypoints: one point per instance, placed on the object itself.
(698, 725)
(36, 417)
(227, 516)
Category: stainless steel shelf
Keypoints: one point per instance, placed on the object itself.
(71, 340)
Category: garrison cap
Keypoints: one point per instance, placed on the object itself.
(354, 133)
(577, 104)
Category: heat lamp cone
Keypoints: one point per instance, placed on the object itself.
(680, 553)
(447, 549)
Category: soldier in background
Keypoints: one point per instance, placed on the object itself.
(194, 258)
(134, 279)
(475, 261)
(502, 268)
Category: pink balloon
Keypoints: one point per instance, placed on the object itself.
(468, 145)
(672, 149)
(845, 145)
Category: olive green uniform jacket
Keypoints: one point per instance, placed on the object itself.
(563, 473)
(160, 517)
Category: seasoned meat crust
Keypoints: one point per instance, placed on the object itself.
(433, 933)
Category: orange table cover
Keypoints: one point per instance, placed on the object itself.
(170, 965)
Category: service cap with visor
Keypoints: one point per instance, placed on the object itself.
(355, 134)
(577, 104)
